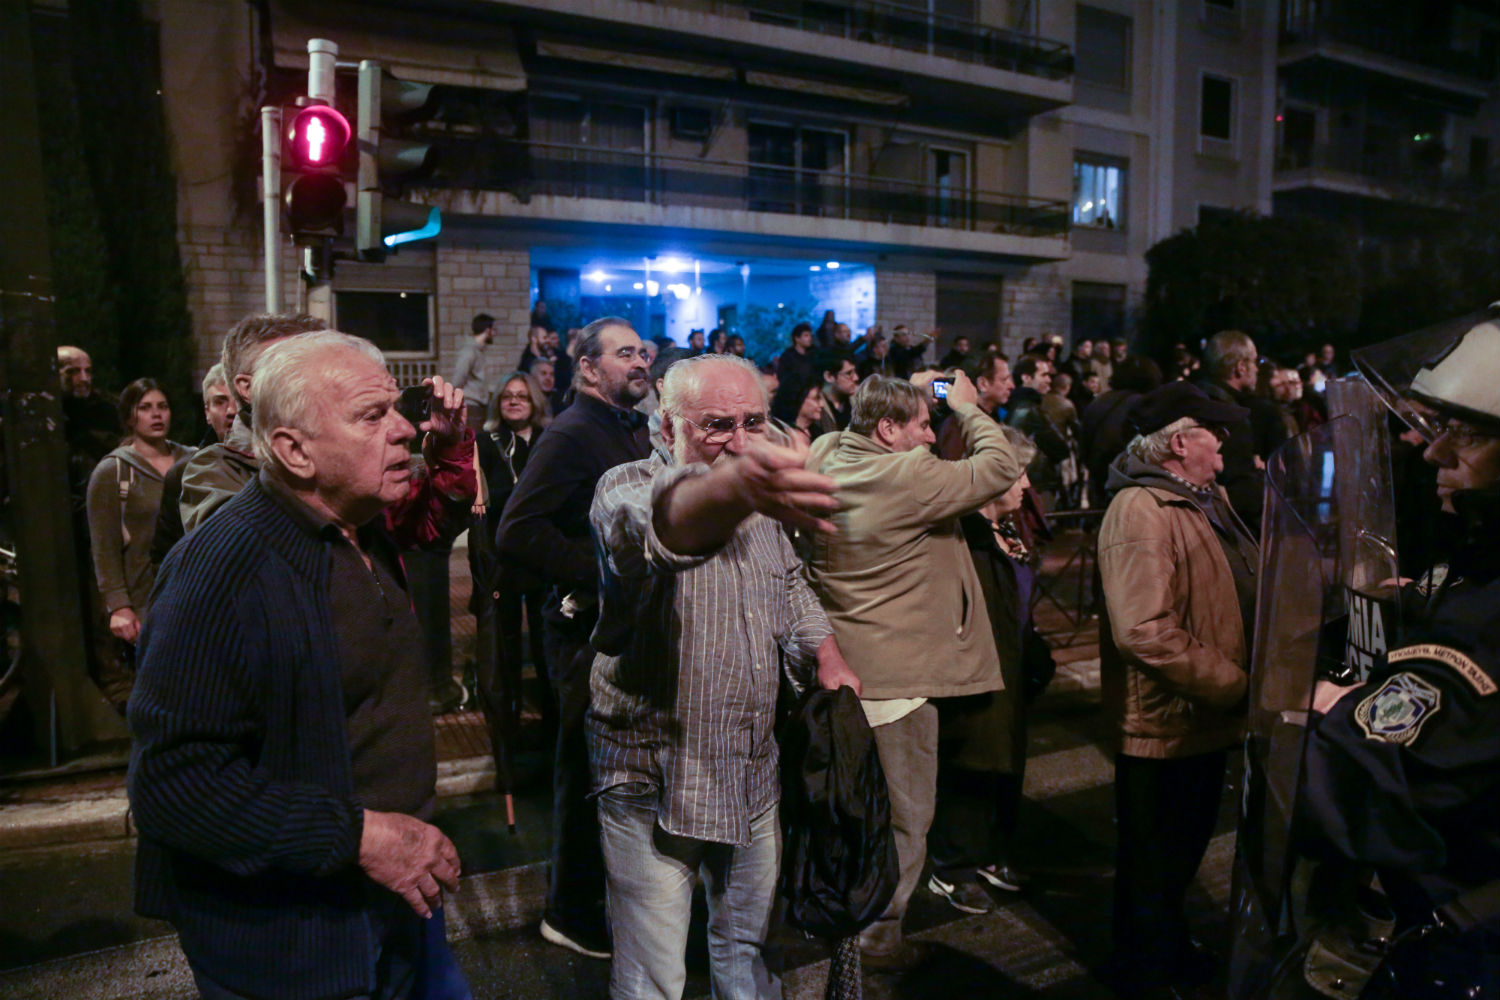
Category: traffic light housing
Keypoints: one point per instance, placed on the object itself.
(386, 161)
(317, 138)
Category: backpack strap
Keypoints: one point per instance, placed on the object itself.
(125, 481)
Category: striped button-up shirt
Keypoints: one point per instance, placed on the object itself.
(690, 651)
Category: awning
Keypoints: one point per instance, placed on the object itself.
(428, 47)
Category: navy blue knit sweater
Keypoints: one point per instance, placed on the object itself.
(240, 779)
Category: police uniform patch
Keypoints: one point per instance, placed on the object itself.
(1399, 709)
(1472, 673)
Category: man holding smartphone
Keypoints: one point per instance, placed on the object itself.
(899, 588)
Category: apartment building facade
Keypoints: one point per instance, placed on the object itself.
(995, 168)
(1388, 121)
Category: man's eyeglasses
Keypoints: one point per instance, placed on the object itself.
(1462, 435)
(721, 429)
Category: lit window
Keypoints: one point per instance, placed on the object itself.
(1099, 192)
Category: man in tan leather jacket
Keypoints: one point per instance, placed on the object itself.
(1178, 571)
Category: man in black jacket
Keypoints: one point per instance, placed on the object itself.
(545, 527)
(1025, 413)
(1230, 370)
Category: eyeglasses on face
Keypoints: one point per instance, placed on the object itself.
(1462, 435)
(515, 397)
(720, 429)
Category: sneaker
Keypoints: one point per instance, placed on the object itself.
(966, 897)
(910, 955)
(587, 944)
(1003, 877)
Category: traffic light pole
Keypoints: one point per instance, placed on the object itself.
(270, 189)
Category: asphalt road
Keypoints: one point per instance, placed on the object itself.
(66, 929)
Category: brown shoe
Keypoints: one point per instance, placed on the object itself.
(910, 955)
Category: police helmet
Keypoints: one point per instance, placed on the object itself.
(1451, 370)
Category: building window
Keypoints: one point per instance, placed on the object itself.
(398, 323)
(1103, 48)
(1216, 108)
(1099, 191)
(800, 171)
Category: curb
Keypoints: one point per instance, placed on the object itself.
(106, 816)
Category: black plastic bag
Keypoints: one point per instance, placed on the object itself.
(839, 867)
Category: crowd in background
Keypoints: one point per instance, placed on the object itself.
(1034, 434)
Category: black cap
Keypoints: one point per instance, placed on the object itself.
(1178, 400)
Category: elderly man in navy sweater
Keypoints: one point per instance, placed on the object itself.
(283, 768)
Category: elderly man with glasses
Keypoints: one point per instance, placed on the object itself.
(702, 600)
(1178, 570)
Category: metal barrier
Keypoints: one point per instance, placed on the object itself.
(1070, 587)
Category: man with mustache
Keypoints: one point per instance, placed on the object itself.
(680, 737)
(545, 527)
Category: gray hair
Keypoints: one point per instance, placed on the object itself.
(590, 343)
(252, 331)
(215, 377)
(684, 379)
(287, 385)
(881, 397)
(1225, 350)
(1156, 447)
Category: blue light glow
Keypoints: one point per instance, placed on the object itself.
(433, 227)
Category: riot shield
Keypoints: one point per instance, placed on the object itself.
(1325, 607)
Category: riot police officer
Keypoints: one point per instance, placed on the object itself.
(1403, 770)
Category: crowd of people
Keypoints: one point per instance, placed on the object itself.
(668, 535)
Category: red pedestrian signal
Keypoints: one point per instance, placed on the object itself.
(312, 182)
(318, 137)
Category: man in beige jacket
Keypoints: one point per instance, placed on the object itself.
(1178, 569)
(900, 591)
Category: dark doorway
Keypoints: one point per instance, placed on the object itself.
(968, 305)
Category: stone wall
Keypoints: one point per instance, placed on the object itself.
(472, 280)
(908, 297)
(225, 281)
(1033, 304)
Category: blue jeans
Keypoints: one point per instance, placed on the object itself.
(650, 881)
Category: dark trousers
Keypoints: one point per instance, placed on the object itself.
(576, 894)
(1166, 811)
(974, 821)
(427, 580)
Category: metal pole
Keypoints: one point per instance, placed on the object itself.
(270, 189)
(322, 58)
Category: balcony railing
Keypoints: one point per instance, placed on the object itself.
(532, 169)
(1309, 28)
(1398, 171)
(880, 22)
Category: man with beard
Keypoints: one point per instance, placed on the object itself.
(545, 527)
